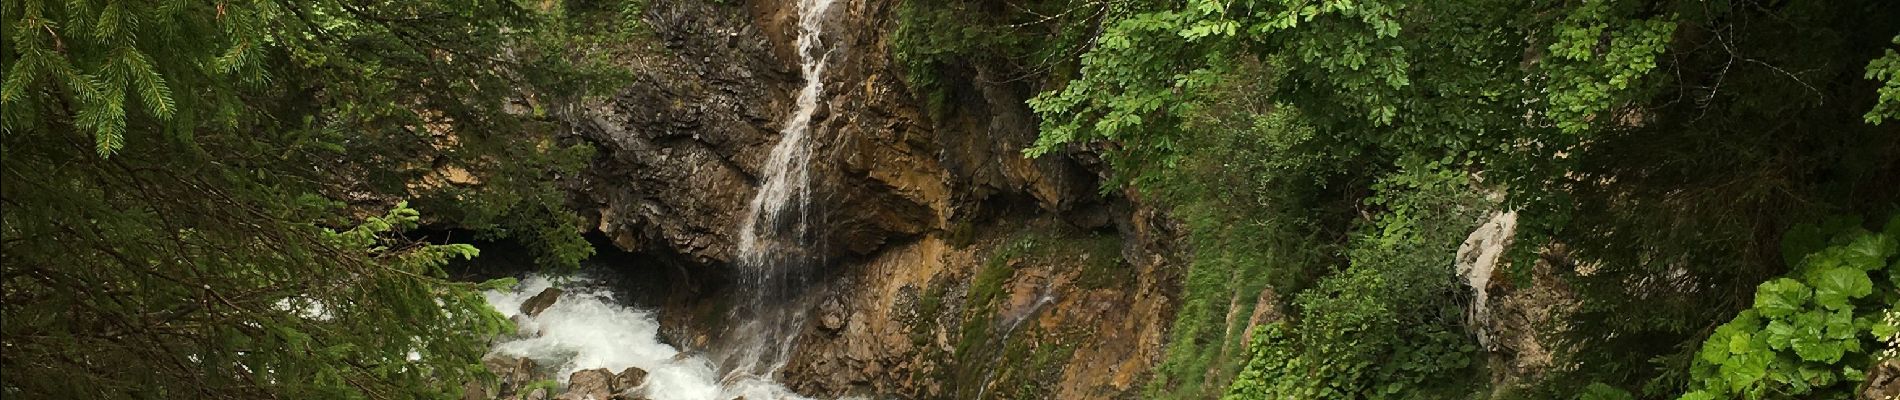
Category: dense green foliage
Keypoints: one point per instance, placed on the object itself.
(939, 42)
(195, 192)
(1328, 151)
(1389, 325)
(1811, 334)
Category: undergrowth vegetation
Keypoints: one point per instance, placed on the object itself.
(1339, 153)
(1814, 332)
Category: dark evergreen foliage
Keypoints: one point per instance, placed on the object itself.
(206, 199)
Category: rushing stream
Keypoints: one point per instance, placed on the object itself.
(589, 328)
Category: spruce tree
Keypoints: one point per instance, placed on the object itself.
(204, 199)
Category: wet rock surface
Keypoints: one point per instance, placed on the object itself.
(513, 375)
(518, 378)
(540, 302)
(897, 198)
(627, 381)
(591, 384)
(680, 148)
(1512, 321)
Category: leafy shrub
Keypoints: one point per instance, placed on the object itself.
(1391, 324)
(1600, 391)
(1809, 333)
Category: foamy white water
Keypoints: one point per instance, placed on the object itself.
(588, 329)
(787, 185)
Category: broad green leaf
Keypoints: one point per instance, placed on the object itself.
(1884, 329)
(1778, 334)
(1715, 350)
(1840, 325)
(1781, 297)
(1698, 395)
(1746, 369)
(1745, 343)
(1834, 288)
(1816, 376)
(1868, 252)
(1819, 350)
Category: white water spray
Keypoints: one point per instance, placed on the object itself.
(787, 184)
(588, 329)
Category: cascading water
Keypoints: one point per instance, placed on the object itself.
(587, 329)
(775, 240)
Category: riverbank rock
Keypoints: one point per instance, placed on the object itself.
(627, 380)
(540, 302)
(590, 384)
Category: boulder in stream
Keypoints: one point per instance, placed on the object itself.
(589, 384)
(628, 379)
(540, 302)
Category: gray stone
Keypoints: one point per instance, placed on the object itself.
(522, 327)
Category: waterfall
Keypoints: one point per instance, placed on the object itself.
(776, 243)
(777, 251)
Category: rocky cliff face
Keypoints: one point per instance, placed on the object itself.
(1031, 308)
(912, 210)
(681, 147)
